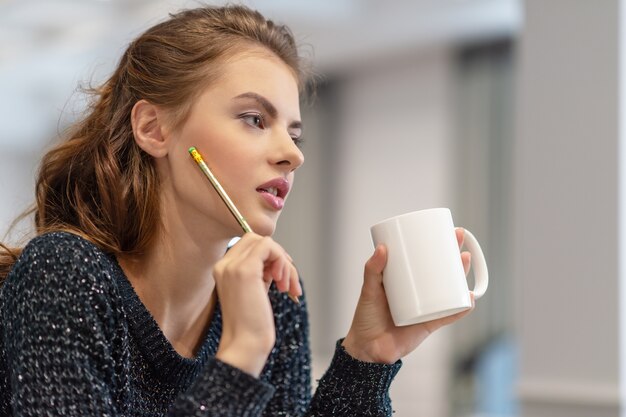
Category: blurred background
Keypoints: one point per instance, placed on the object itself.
(507, 111)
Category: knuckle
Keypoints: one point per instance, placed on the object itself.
(227, 270)
(218, 269)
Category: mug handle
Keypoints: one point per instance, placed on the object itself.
(479, 265)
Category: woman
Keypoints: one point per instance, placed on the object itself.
(127, 302)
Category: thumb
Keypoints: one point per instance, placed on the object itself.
(374, 266)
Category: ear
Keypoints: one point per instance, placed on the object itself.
(149, 128)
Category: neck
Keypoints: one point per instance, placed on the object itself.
(174, 280)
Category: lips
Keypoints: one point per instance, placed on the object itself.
(274, 192)
(279, 187)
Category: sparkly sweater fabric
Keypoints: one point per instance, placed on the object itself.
(75, 340)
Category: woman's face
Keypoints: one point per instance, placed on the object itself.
(245, 125)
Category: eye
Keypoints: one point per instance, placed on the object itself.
(254, 119)
(296, 135)
(297, 140)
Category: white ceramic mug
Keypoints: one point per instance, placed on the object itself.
(424, 278)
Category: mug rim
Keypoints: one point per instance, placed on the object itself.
(410, 213)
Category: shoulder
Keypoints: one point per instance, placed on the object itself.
(59, 244)
(60, 304)
(60, 261)
(61, 252)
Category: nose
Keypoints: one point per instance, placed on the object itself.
(286, 153)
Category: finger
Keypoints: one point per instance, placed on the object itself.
(278, 274)
(466, 258)
(436, 324)
(293, 273)
(277, 262)
(267, 275)
(265, 249)
(280, 266)
(460, 236)
(458, 316)
(295, 290)
(374, 266)
(244, 245)
(246, 240)
(267, 279)
(289, 271)
(286, 279)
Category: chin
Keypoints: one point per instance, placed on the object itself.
(265, 229)
(264, 226)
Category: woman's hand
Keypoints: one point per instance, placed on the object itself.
(373, 337)
(242, 279)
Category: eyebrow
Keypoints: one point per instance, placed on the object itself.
(268, 106)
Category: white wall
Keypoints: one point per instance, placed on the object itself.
(567, 209)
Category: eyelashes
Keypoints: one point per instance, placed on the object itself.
(257, 120)
(254, 120)
(298, 140)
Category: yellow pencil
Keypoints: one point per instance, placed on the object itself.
(225, 198)
(220, 190)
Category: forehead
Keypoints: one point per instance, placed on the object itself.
(257, 70)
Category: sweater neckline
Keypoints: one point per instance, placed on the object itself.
(166, 363)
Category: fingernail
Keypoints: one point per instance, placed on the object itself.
(294, 299)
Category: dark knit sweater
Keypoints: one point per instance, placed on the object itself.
(75, 340)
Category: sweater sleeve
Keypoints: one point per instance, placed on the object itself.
(223, 390)
(348, 388)
(58, 334)
(353, 387)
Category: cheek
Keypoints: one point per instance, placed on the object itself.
(229, 154)
(230, 160)
(232, 170)
(211, 140)
(187, 179)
